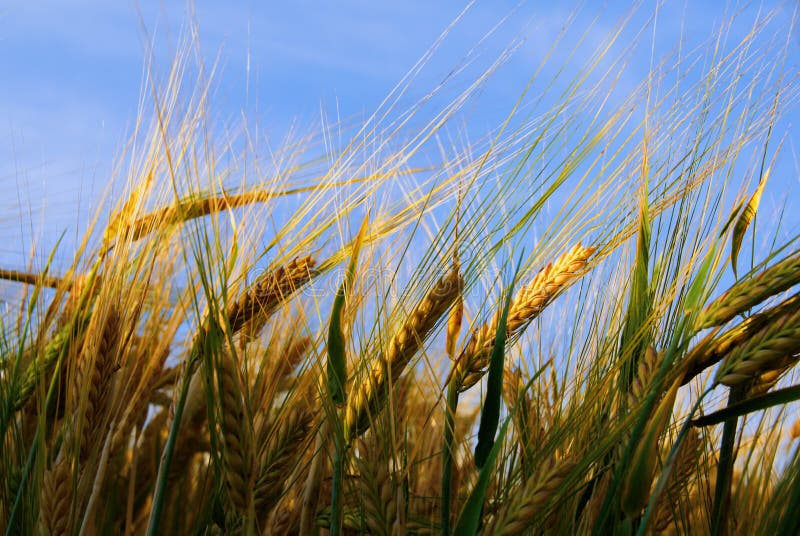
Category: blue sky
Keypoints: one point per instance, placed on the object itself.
(73, 71)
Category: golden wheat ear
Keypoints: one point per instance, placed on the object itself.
(367, 399)
(669, 503)
(715, 346)
(93, 383)
(774, 346)
(531, 299)
(236, 437)
(273, 287)
(284, 446)
(56, 498)
(645, 373)
(749, 292)
(526, 507)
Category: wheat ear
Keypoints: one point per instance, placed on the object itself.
(56, 499)
(237, 439)
(93, 381)
(714, 347)
(685, 464)
(526, 305)
(594, 507)
(268, 292)
(761, 352)
(375, 485)
(768, 378)
(282, 450)
(367, 399)
(526, 507)
(645, 373)
(752, 291)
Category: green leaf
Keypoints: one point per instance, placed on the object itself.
(639, 480)
(744, 220)
(781, 396)
(635, 336)
(490, 415)
(699, 288)
(337, 357)
(470, 519)
(790, 518)
(731, 218)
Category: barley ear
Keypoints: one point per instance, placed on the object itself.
(367, 399)
(56, 499)
(237, 439)
(283, 448)
(714, 346)
(527, 507)
(668, 504)
(645, 374)
(92, 384)
(264, 296)
(763, 351)
(749, 292)
(636, 484)
(528, 303)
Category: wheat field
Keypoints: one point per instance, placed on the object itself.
(570, 326)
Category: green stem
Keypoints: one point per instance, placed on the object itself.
(11, 528)
(722, 491)
(166, 456)
(339, 451)
(447, 455)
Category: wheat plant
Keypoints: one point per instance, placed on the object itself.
(201, 367)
